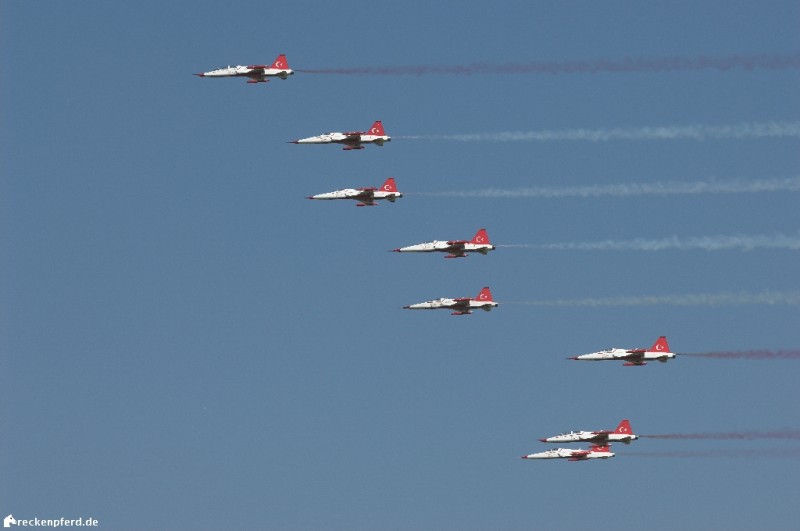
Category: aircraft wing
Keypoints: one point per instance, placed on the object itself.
(352, 139)
(366, 196)
(600, 436)
(579, 456)
(456, 248)
(634, 355)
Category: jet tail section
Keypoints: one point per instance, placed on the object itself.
(280, 63)
(624, 427)
(481, 237)
(660, 345)
(485, 295)
(389, 185)
(377, 129)
(598, 448)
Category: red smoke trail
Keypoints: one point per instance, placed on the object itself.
(731, 435)
(596, 66)
(773, 453)
(750, 355)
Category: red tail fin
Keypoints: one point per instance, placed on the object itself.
(480, 237)
(377, 129)
(389, 185)
(596, 448)
(485, 295)
(624, 427)
(660, 345)
(280, 63)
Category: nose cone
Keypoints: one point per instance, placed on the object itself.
(543, 440)
(573, 358)
(309, 140)
(201, 74)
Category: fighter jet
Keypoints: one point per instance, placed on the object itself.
(623, 434)
(594, 452)
(461, 306)
(256, 73)
(364, 196)
(351, 140)
(638, 356)
(456, 248)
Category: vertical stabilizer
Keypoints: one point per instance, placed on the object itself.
(624, 427)
(389, 185)
(485, 295)
(377, 129)
(660, 345)
(481, 237)
(280, 63)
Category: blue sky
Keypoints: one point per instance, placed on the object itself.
(188, 343)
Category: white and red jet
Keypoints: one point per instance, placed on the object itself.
(637, 356)
(365, 196)
(456, 248)
(594, 452)
(351, 140)
(256, 73)
(622, 434)
(460, 306)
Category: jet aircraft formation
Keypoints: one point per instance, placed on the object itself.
(600, 447)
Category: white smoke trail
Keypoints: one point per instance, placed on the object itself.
(790, 184)
(705, 243)
(590, 66)
(698, 132)
(691, 299)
